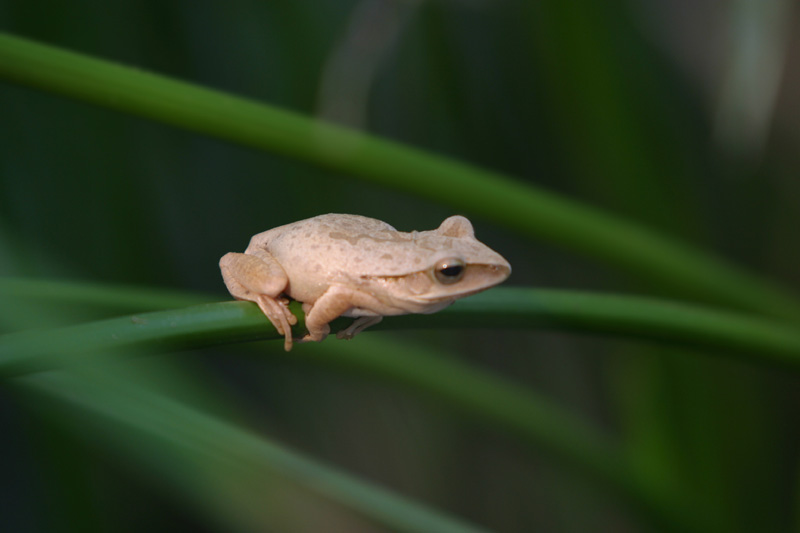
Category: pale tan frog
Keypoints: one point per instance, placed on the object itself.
(349, 265)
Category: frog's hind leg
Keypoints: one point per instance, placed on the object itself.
(260, 279)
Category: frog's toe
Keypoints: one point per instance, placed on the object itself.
(284, 305)
(311, 338)
(280, 316)
(287, 343)
(316, 332)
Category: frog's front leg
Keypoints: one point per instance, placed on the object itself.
(359, 324)
(336, 301)
(259, 278)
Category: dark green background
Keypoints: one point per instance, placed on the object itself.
(587, 98)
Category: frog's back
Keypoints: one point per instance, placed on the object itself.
(332, 237)
(321, 228)
(339, 244)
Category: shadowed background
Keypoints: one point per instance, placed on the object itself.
(679, 115)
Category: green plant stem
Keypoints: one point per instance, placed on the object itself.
(663, 263)
(192, 327)
(112, 297)
(751, 338)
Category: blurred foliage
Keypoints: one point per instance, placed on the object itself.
(597, 100)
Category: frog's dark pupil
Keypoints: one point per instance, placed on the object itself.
(452, 271)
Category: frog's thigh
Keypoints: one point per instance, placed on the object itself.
(260, 279)
(246, 274)
(331, 305)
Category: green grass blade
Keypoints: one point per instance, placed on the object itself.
(750, 338)
(202, 325)
(27, 303)
(112, 297)
(660, 261)
(230, 474)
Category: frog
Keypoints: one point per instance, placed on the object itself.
(359, 267)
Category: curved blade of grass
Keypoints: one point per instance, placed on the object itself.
(231, 474)
(27, 303)
(751, 338)
(662, 262)
(192, 327)
(112, 297)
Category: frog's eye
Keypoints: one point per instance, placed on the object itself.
(449, 271)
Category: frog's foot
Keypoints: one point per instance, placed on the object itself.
(277, 311)
(358, 325)
(318, 335)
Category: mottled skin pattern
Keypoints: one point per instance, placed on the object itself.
(349, 265)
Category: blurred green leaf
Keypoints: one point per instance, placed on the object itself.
(229, 474)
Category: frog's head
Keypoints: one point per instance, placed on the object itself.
(456, 265)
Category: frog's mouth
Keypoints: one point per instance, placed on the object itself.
(429, 293)
(475, 279)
